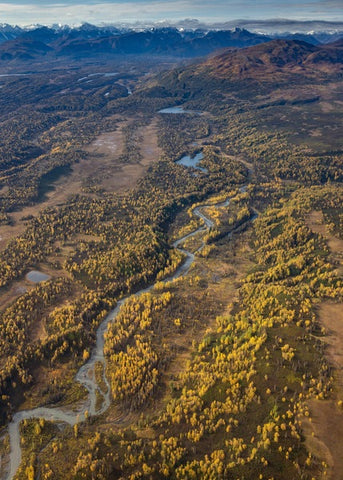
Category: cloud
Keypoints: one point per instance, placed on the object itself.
(27, 13)
(72, 11)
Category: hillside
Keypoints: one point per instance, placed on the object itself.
(279, 58)
(23, 49)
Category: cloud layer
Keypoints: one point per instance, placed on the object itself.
(24, 12)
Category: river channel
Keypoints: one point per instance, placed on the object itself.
(86, 374)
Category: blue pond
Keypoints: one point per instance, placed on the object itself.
(178, 109)
(188, 161)
(36, 277)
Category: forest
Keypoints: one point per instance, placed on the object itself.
(220, 372)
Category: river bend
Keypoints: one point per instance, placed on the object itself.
(86, 374)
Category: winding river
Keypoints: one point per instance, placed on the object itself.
(86, 375)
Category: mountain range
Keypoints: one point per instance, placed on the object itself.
(89, 40)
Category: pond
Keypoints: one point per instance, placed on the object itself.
(178, 109)
(100, 74)
(14, 75)
(36, 277)
(188, 161)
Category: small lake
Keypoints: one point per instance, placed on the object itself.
(178, 109)
(14, 74)
(188, 161)
(102, 74)
(36, 277)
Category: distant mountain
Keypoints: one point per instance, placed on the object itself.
(47, 34)
(7, 32)
(324, 37)
(167, 41)
(89, 40)
(41, 34)
(90, 31)
(157, 41)
(303, 37)
(215, 40)
(323, 31)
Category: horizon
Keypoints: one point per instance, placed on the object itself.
(26, 12)
(266, 26)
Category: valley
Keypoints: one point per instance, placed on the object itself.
(190, 323)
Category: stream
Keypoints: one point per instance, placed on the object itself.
(86, 374)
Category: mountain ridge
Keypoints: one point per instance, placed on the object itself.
(91, 40)
(274, 57)
(163, 41)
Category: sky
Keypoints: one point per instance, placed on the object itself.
(25, 12)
